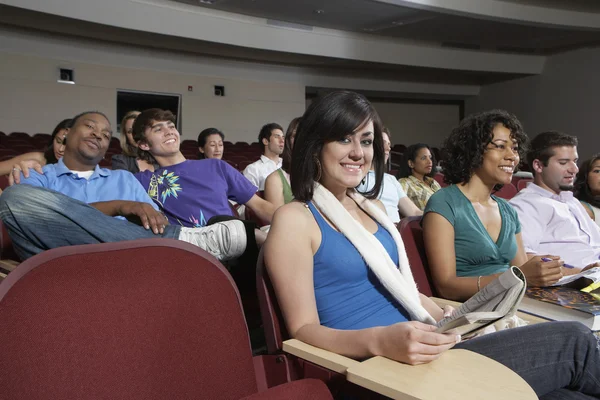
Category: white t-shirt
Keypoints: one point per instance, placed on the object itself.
(390, 195)
(258, 171)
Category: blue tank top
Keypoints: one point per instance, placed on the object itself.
(347, 292)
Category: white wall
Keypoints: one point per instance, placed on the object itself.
(33, 101)
(418, 123)
(564, 97)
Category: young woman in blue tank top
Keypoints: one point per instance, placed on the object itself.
(330, 298)
(472, 236)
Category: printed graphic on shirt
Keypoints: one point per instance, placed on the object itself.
(198, 222)
(164, 186)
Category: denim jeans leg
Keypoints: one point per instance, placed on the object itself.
(552, 357)
(39, 219)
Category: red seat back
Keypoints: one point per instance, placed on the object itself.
(412, 235)
(439, 177)
(272, 319)
(507, 191)
(146, 319)
(522, 184)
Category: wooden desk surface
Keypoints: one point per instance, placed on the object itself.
(458, 374)
(324, 358)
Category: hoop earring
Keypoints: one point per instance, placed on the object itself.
(319, 171)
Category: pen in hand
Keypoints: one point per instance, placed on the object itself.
(564, 265)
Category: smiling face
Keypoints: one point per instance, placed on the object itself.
(593, 178)
(423, 162)
(161, 139)
(89, 138)
(58, 144)
(500, 158)
(213, 147)
(559, 174)
(346, 162)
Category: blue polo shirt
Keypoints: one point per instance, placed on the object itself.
(103, 185)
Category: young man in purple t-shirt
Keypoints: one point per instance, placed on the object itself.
(190, 192)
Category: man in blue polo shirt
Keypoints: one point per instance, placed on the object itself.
(73, 202)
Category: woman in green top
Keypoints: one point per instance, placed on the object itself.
(470, 235)
(277, 185)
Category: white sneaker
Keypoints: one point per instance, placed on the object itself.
(224, 240)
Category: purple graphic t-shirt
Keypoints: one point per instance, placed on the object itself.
(192, 192)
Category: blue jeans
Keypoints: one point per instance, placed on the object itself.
(39, 219)
(559, 360)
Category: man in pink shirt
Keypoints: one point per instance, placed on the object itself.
(552, 220)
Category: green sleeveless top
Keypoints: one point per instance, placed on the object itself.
(287, 189)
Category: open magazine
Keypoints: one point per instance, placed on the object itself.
(497, 300)
(580, 280)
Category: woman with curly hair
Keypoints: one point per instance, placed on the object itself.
(587, 187)
(416, 173)
(472, 236)
(343, 281)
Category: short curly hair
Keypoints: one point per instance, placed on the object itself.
(582, 190)
(463, 150)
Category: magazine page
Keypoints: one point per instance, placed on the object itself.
(501, 295)
(593, 274)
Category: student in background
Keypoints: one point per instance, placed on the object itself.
(210, 144)
(129, 160)
(553, 220)
(416, 174)
(272, 138)
(37, 160)
(277, 185)
(192, 193)
(587, 187)
(326, 276)
(76, 202)
(470, 235)
(391, 195)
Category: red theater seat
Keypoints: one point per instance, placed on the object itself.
(507, 191)
(522, 184)
(439, 177)
(147, 319)
(412, 235)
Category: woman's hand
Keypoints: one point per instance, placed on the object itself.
(542, 273)
(413, 342)
(24, 166)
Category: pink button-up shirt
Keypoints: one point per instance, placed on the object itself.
(557, 225)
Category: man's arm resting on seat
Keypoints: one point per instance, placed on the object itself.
(148, 216)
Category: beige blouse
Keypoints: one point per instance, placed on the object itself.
(418, 191)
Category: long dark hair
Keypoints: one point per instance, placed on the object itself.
(410, 154)
(329, 118)
(286, 157)
(49, 152)
(582, 188)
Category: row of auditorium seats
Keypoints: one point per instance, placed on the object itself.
(238, 154)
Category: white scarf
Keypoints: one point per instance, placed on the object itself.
(398, 280)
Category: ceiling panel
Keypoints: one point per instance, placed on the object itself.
(368, 16)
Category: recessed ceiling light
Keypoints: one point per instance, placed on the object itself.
(319, 11)
(207, 1)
